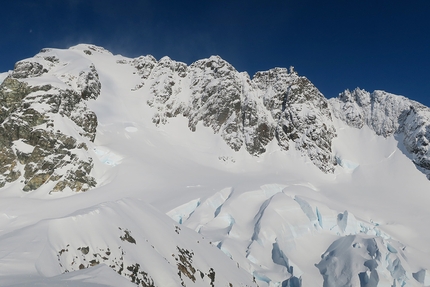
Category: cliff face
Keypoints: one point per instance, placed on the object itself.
(46, 126)
(230, 158)
(387, 115)
(276, 104)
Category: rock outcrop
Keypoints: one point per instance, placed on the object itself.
(247, 113)
(388, 114)
(45, 127)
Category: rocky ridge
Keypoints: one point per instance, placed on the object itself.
(45, 129)
(247, 113)
(278, 105)
(275, 105)
(47, 135)
(388, 114)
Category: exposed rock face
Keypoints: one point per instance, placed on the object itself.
(389, 114)
(301, 113)
(415, 126)
(379, 110)
(276, 104)
(24, 69)
(34, 144)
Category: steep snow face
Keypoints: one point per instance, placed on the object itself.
(276, 104)
(258, 167)
(389, 114)
(150, 251)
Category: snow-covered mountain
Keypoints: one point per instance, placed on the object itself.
(388, 115)
(121, 172)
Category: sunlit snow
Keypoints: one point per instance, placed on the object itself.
(275, 217)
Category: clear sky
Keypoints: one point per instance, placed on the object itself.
(338, 45)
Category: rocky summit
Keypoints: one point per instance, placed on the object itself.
(35, 147)
(387, 115)
(275, 105)
(119, 171)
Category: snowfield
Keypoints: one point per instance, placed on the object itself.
(176, 207)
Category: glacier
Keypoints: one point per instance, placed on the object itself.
(121, 171)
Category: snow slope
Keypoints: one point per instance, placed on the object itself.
(174, 182)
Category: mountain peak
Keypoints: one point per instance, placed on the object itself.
(89, 49)
(265, 180)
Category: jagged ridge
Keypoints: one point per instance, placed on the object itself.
(276, 104)
(388, 114)
(247, 113)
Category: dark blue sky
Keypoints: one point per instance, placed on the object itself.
(372, 44)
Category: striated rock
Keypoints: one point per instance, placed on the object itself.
(88, 84)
